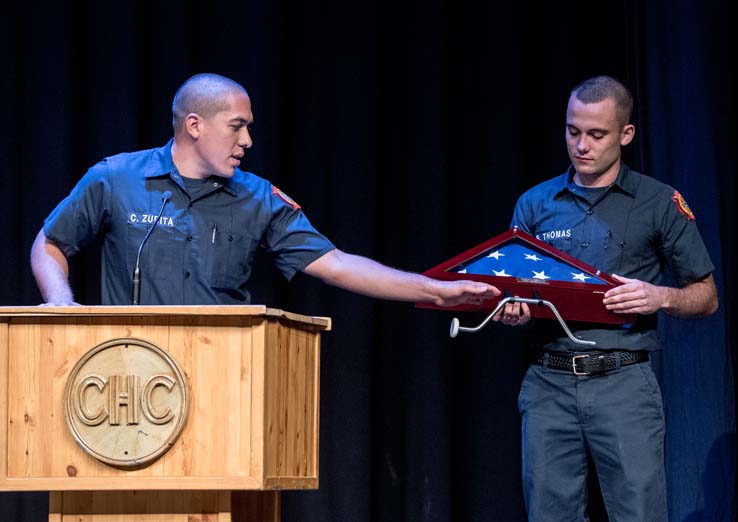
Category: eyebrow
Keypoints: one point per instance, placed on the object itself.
(240, 120)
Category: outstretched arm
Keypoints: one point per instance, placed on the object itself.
(697, 299)
(364, 276)
(51, 270)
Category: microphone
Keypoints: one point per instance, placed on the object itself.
(137, 271)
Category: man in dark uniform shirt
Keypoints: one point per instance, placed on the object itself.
(605, 401)
(213, 217)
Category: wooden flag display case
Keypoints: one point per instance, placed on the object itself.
(522, 266)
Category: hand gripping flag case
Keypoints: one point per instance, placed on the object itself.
(524, 267)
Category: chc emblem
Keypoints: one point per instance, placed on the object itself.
(126, 402)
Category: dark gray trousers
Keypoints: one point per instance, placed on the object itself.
(618, 418)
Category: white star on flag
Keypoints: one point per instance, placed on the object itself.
(501, 273)
(496, 254)
(580, 276)
(533, 257)
(540, 275)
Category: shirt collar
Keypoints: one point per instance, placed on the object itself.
(162, 164)
(625, 180)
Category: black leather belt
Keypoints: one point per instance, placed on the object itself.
(592, 363)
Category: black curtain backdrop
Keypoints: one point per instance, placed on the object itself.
(406, 130)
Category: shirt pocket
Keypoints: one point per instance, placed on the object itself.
(229, 263)
(162, 256)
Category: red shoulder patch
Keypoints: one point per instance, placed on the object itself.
(682, 205)
(284, 197)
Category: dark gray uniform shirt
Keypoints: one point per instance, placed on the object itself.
(637, 228)
(202, 249)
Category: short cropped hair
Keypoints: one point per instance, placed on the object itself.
(204, 94)
(599, 88)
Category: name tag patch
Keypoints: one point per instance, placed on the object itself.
(554, 234)
(135, 218)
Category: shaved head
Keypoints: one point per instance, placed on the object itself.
(204, 94)
(599, 88)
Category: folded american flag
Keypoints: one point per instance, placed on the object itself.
(523, 261)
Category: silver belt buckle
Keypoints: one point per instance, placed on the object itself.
(574, 364)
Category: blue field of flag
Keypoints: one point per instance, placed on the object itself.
(517, 259)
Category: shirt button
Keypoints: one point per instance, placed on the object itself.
(589, 212)
(187, 275)
(585, 244)
(189, 238)
(216, 184)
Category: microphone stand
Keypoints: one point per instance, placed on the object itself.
(137, 270)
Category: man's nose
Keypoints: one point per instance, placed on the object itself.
(245, 140)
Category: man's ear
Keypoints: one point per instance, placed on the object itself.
(193, 125)
(627, 134)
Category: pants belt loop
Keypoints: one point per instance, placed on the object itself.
(545, 360)
(617, 360)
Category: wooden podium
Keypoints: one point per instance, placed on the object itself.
(76, 402)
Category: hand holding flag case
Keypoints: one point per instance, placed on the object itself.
(525, 269)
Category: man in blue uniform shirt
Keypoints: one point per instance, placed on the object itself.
(605, 402)
(211, 217)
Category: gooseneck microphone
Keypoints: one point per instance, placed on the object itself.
(137, 271)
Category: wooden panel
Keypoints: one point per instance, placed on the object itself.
(143, 506)
(55, 506)
(25, 413)
(253, 419)
(212, 352)
(215, 354)
(41, 357)
(4, 384)
(257, 365)
(187, 506)
(291, 417)
(256, 506)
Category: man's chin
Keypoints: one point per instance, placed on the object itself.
(585, 168)
(227, 173)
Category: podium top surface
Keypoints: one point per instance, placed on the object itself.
(113, 311)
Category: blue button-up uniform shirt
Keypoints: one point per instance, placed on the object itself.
(202, 248)
(638, 228)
